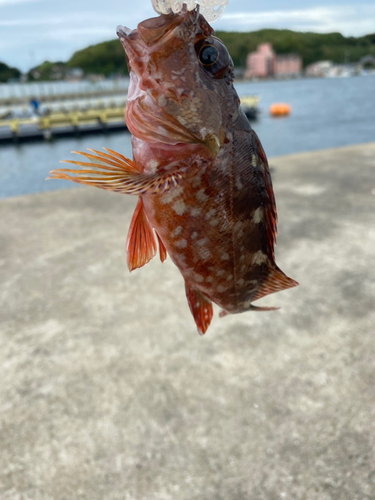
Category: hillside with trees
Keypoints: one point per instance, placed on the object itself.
(311, 47)
(104, 58)
(7, 73)
(108, 58)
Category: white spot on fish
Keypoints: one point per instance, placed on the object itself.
(221, 289)
(204, 253)
(178, 72)
(225, 256)
(195, 211)
(182, 121)
(162, 101)
(176, 232)
(229, 277)
(180, 258)
(254, 161)
(220, 272)
(201, 196)
(194, 235)
(258, 215)
(238, 183)
(197, 179)
(210, 213)
(224, 225)
(259, 258)
(152, 165)
(214, 222)
(171, 194)
(202, 242)
(179, 207)
(198, 278)
(240, 282)
(181, 244)
(210, 279)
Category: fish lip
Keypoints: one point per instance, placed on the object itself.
(122, 31)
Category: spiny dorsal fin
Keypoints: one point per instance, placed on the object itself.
(140, 243)
(200, 307)
(276, 281)
(114, 172)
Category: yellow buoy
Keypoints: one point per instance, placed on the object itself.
(280, 109)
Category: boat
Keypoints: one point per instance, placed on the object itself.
(249, 105)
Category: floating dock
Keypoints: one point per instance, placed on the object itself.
(62, 124)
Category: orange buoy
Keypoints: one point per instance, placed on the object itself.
(280, 109)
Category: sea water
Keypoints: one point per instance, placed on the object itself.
(325, 113)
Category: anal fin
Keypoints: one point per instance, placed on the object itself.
(200, 307)
(140, 243)
(276, 281)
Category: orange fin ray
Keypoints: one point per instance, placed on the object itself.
(140, 242)
(276, 281)
(200, 307)
(162, 250)
(114, 172)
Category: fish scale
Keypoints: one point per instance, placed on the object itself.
(201, 175)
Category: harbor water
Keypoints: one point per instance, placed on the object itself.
(325, 113)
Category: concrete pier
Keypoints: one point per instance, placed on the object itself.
(108, 393)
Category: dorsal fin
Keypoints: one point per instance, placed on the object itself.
(140, 243)
(276, 281)
(200, 307)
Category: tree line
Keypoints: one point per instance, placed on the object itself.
(108, 58)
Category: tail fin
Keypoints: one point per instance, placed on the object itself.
(276, 281)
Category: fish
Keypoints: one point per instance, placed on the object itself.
(204, 189)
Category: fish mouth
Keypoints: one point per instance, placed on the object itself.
(153, 29)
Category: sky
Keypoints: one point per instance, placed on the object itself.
(32, 31)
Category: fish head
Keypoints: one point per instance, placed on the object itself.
(181, 75)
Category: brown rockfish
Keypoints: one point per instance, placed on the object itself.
(199, 170)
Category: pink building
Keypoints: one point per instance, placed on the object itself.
(261, 62)
(264, 63)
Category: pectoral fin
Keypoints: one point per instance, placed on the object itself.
(140, 243)
(114, 172)
(200, 307)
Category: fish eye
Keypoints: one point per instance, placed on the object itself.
(213, 56)
(208, 55)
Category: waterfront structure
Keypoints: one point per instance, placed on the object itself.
(327, 69)
(264, 63)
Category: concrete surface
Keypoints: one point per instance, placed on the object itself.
(108, 392)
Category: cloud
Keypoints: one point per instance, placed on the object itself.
(354, 21)
(14, 2)
(46, 29)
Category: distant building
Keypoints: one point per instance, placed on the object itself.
(327, 69)
(264, 63)
(319, 69)
(74, 75)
